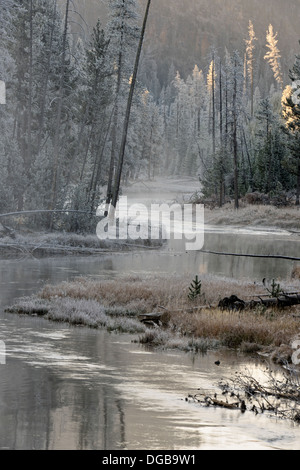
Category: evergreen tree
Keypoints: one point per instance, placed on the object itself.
(270, 175)
(291, 116)
(123, 35)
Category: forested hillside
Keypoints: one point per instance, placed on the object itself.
(182, 32)
(214, 99)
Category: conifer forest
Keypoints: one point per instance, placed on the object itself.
(214, 98)
(149, 227)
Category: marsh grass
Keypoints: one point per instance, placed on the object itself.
(116, 304)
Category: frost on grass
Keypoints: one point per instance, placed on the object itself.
(91, 313)
(83, 312)
(169, 340)
(190, 326)
(30, 306)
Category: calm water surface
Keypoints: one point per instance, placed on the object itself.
(74, 388)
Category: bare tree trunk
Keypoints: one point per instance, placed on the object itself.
(252, 90)
(128, 111)
(221, 199)
(235, 144)
(111, 173)
(30, 85)
(213, 107)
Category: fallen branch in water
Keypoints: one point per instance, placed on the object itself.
(220, 253)
(245, 393)
(279, 396)
(207, 400)
(35, 212)
(30, 248)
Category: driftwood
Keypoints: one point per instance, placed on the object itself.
(278, 396)
(221, 403)
(154, 318)
(213, 400)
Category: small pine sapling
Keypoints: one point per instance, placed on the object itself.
(195, 289)
(274, 288)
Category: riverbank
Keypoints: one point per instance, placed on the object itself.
(256, 216)
(71, 244)
(190, 325)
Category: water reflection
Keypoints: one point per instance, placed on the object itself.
(53, 396)
(74, 388)
(29, 274)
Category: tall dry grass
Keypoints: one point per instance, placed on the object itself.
(151, 292)
(235, 328)
(195, 319)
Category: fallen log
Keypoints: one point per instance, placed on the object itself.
(155, 317)
(221, 404)
(283, 301)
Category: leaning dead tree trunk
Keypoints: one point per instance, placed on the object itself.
(128, 111)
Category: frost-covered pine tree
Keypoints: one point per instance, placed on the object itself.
(250, 47)
(291, 116)
(123, 33)
(211, 88)
(95, 115)
(12, 178)
(273, 55)
(236, 90)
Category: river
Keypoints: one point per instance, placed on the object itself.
(65, 387)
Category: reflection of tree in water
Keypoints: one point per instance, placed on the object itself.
(101, 419)
(61, 406)
(97, 407)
